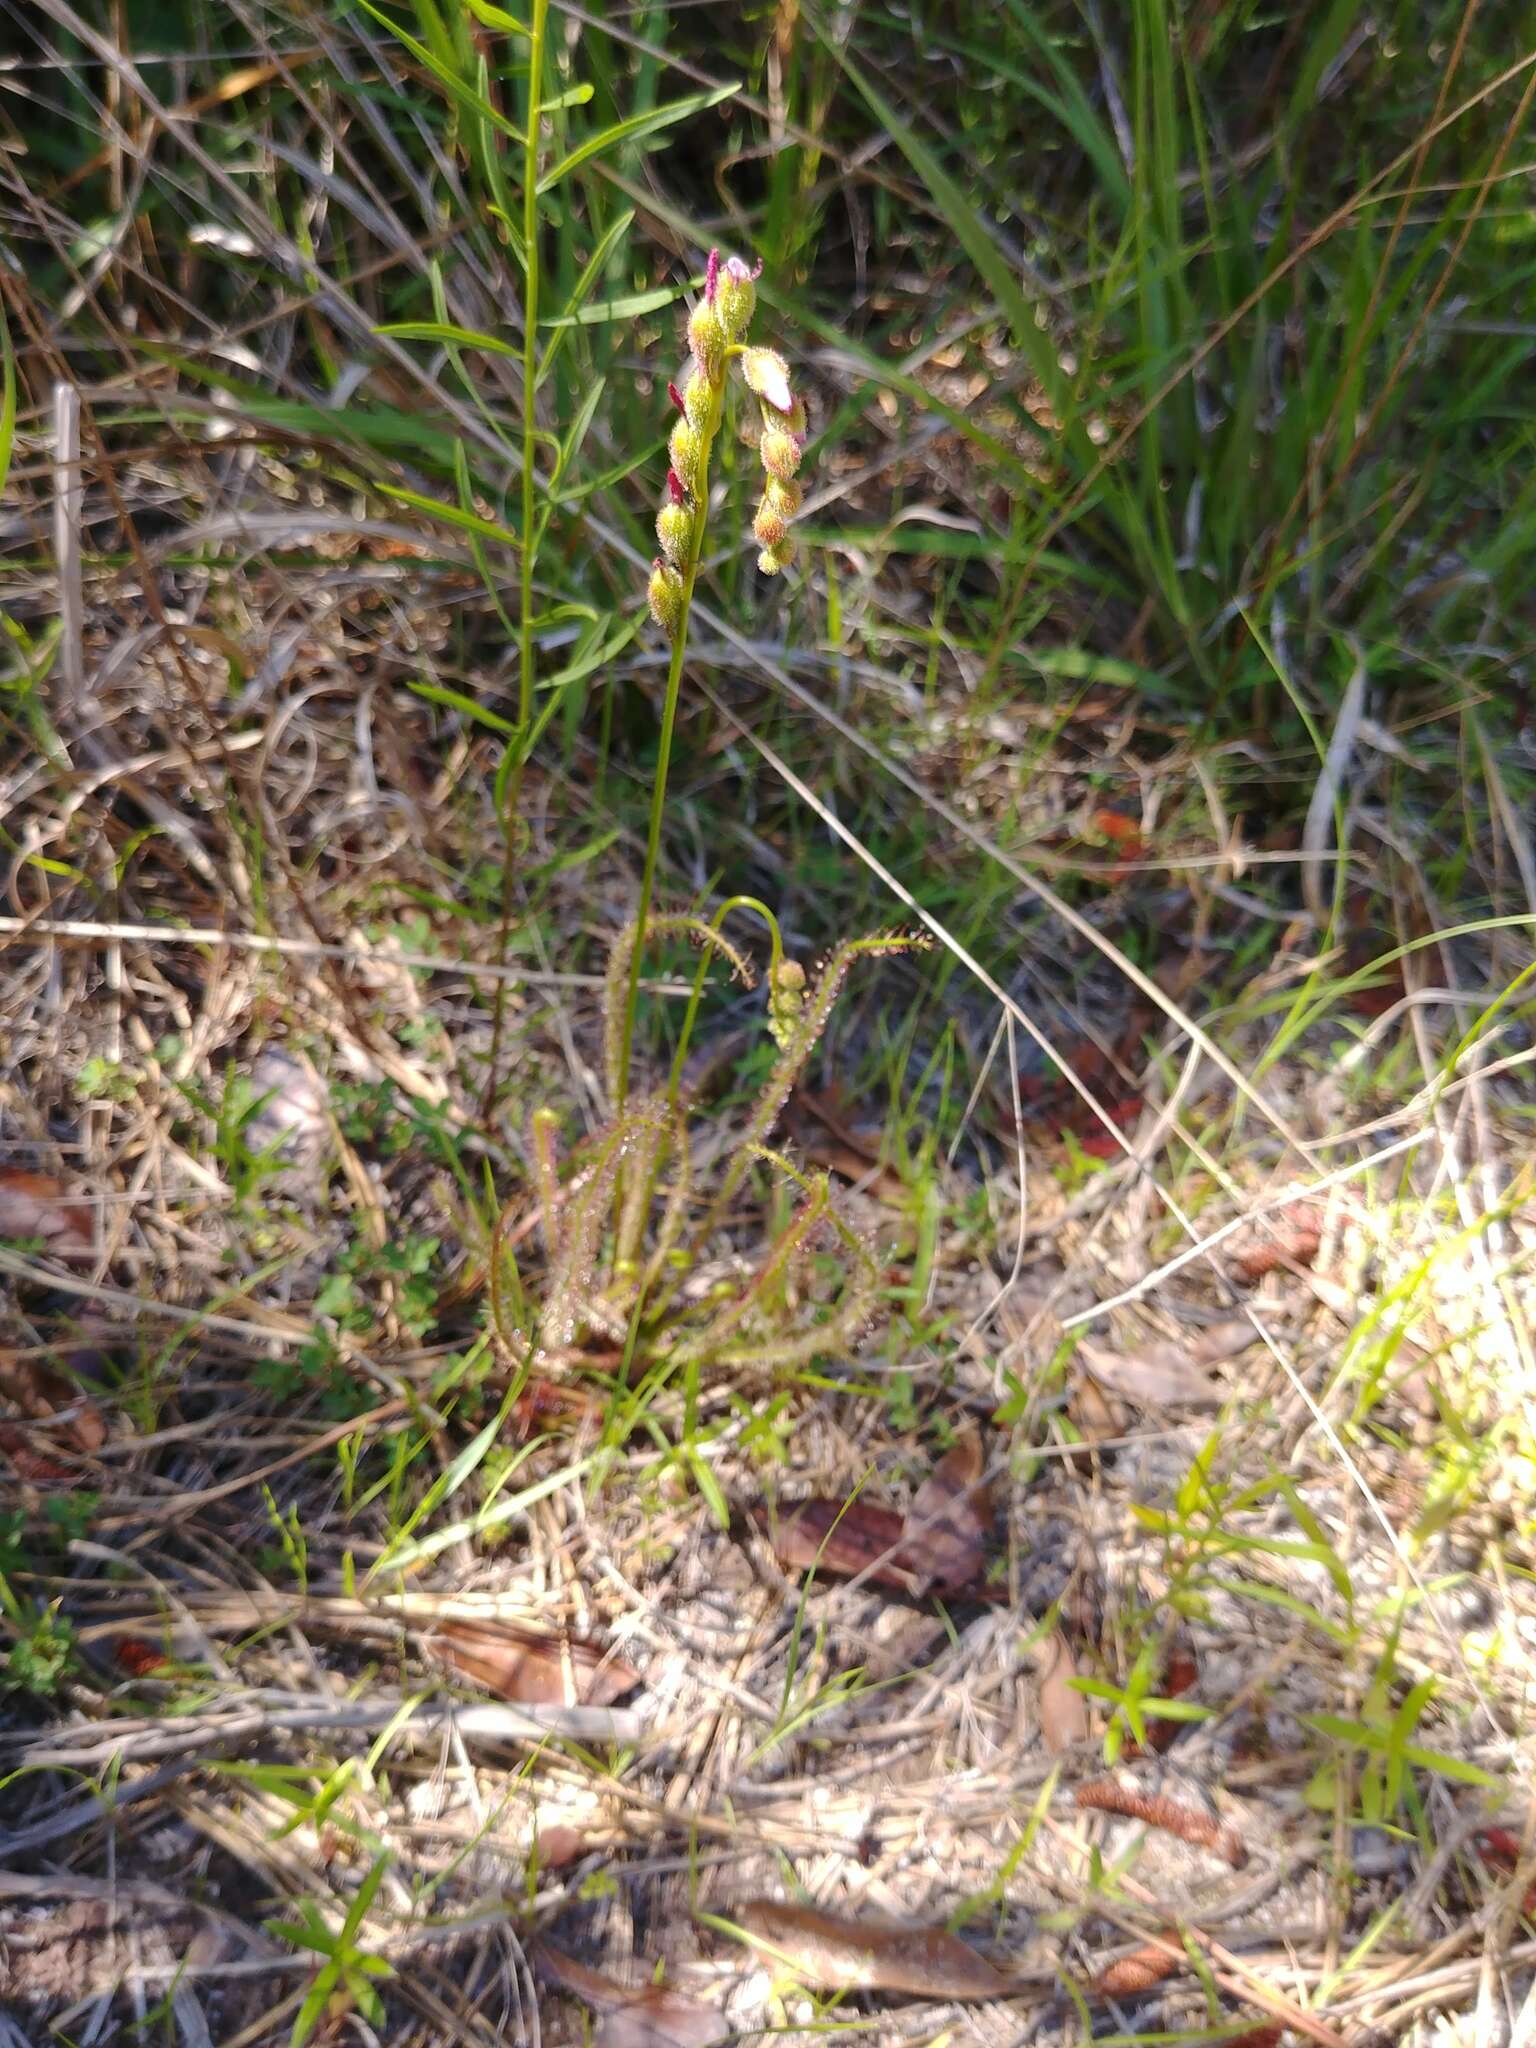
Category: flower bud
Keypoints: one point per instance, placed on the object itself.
(786, 1000)
(706, 337)
(664, 595)
(780, 453)
(769, 526)
(767, 374)
(795, 419)
(784, 499)
(697, 399)
(685, 451)
(736, 298)
(772, 560)
(674, 529)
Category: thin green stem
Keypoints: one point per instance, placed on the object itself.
(528, 550)
(664, 750)
(690, 1015)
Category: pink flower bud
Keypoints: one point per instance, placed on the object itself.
(736, 298)
(767, 374)
(676, 397)
(675, 488)
(711, 277)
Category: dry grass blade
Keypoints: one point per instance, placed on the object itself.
(836, 1954)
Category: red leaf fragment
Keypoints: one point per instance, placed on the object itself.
(1502, 1850)
(138, 1658)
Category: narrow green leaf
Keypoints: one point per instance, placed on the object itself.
(445, 75)
(589, 276)
(495, 17)
(632, 129)
(451, 515)
(445, 331)
(627, 308)
(468, 707)
(962, 217)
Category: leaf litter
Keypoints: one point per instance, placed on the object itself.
(835, 1953)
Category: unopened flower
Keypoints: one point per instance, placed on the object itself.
(697, 400)
(772, 560)
(786, 1000)
(706, 338)
(767, 374)
(664, 595)
(768, 526)
(674, 530)
(780, 452)
(685, 450)
(736, 298)
(785, 499)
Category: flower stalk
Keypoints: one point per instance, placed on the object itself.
(717, 328)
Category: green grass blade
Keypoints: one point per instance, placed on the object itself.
(633, 129)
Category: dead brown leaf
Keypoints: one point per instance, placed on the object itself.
(40, 1205)
(529, 1669)
(1097, 1418)
(1063, 1709)
(643, 2016)
(845, 1538)
(950, 1522)
(41, 1394)
(1292, 1238)
(833, 1954)
(1172, 1375)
